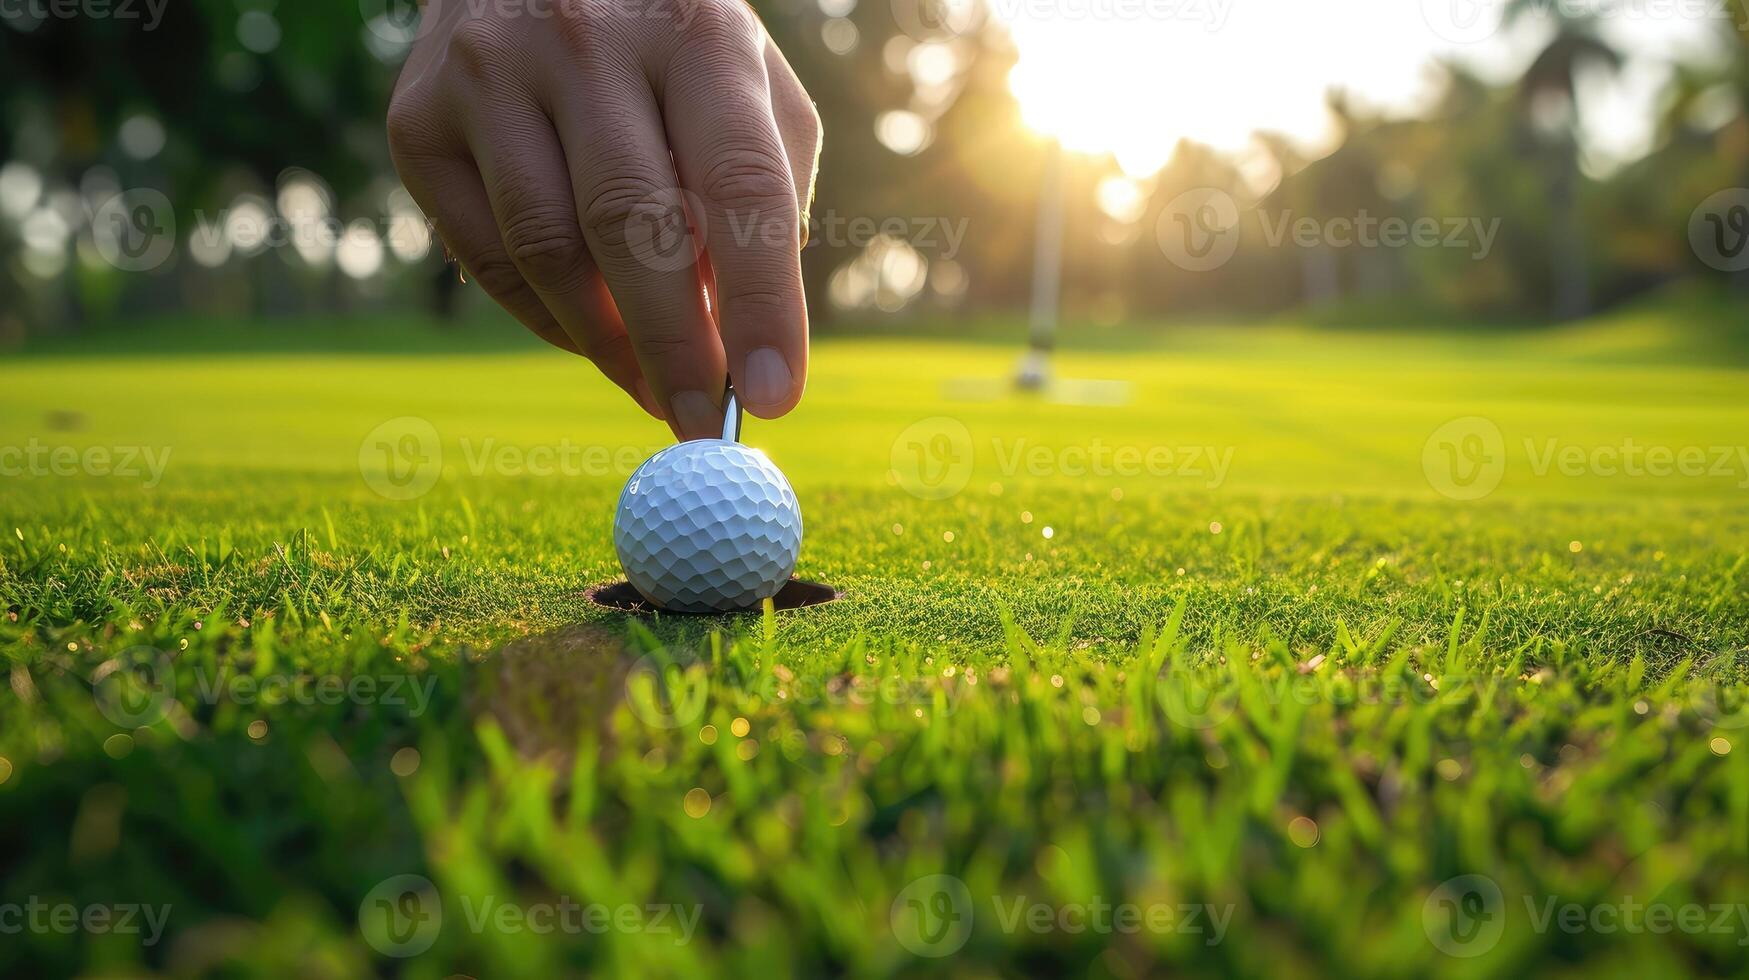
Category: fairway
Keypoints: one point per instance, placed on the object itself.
(1313, 625)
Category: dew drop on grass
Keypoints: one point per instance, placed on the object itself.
(747, 750)
(1049, 532)
(1303, 831)
(898, 529)
(1026, 517)
(1214, 527)
(947, 536)
(708, 734)
(1720, 745)
(740, 727)
(258, 729)
(1575, 546)
(1449, 769)
(118, 746)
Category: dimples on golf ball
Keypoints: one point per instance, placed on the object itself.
(708, 526)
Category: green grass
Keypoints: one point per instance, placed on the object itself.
(1301, 695)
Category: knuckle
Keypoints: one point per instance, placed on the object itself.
(659, 343)
(581, 24)
(756, 304)
(728, 23)
(748, 178)
(408, 131)
(497, 274)
(548, 249)
(616, 203)
(606, 350)
(476, 47)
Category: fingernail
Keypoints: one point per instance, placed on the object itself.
(647, 398)
(766, 382)
(696, 415)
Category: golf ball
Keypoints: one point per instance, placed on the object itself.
(708, 526)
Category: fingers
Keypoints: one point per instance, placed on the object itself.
(529, 188)
(798, 123)
(635, 223)
(451, 192)
(718, 105)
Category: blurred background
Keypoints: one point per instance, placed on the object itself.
(1502, 162)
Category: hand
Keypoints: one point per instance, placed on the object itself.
(630, 179)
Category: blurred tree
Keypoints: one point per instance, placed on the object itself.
(1549, 90)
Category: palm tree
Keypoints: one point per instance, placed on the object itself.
(1549, 98)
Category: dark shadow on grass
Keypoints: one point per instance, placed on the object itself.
(550, 690)
(795, 594)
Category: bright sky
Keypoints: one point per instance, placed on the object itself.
(1217, 70)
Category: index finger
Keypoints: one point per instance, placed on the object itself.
(729, 153)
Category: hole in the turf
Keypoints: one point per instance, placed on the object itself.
(795, 594)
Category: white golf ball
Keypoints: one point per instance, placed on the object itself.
(708, 526)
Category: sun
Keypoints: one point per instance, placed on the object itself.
(1105, 77)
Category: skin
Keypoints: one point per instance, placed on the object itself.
(630, 179)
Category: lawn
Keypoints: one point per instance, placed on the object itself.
(1378, 654)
